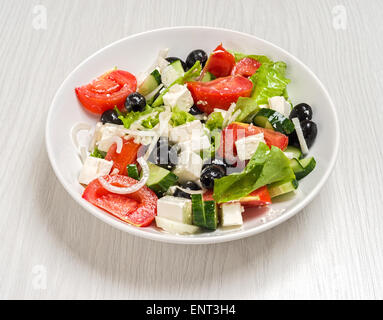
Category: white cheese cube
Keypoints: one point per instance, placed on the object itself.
(248, 145)
(169, 75)
(189, 166)
(176, 209)
(108, 131)
(94, 168)
(186, 131)
(179, 95)
(231, 214)
(280, 105)
(196, 144)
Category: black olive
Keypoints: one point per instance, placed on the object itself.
(310, 130)
(174, 59)
(110, 116)
(302, 111)
(135, 102)
(190, 185)
(293, 139)
(194, 110)
(164, 155)
(209, 174)
(218, 162)
(196, 55)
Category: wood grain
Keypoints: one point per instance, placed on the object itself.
(332, 249)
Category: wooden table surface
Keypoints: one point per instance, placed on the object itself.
(50, 248)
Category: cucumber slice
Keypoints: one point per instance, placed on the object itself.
(133, 171)
(211, 214)
(205, 213)
(176, 227)
(271, 119)
(302, 167)
(172, 72)
(296, 152)
(160, 179)
(151, 82)
(198, 210)
(208, 77)
(282, 187)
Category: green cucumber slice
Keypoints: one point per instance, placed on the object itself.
(296, 152)
(211, 214)
(133, 171)
(282, 187)
(303, 167)
(207, 77)
(160, 179)
(151, 82)
(198, 210)
(271, 119)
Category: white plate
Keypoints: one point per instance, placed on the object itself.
(135, 54)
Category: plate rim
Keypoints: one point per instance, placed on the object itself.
(179, 239)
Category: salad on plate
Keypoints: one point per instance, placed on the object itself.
(189, 145)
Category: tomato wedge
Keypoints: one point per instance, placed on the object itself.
(219, 93)
(107, 91)
(238, 130)
(259, 197)
(128, 155)
(138, 208)
(220, 63)
(246, 67)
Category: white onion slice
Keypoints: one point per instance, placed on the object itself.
(191, 191)
(301, 138)
(228, 114)
(80, 126)
(233, 117)
(133, 188)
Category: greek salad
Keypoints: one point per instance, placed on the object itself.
(188, 145)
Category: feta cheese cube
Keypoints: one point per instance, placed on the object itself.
(94, 168)
(231, 214)
(196, 144)
(280, 105)
(248, 145)
(179, 95)
(108, 131)
(189, 166)
(176, 209)
(169, 75)
(186, 131)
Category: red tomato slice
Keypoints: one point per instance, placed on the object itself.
(107, 91)
(259, 197)
(138, 208)
(238, 130)
(246, 67)
(220, 63)
(128, 155)
(219, 93)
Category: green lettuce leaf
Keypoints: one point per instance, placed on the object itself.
(180, 117)
(189, 75)
(130, 117)
(266, 166)
(269, 81)
(239, 56)
(248, 107)
(98, 153)
(215, 121)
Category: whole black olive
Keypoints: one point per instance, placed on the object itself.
(196, 55)
(293, 139)
(310, 130)
(209, 174)
(135, 102)
(110, 116)
(218, 162)
(302, 111)
(174, 59)
(164, 155)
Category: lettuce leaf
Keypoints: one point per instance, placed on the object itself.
(248, 107)
(130, 117)
(266, 166)
(239, 56)
(269, 81)
(215, 121)
(98, 153)
(180, 117)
